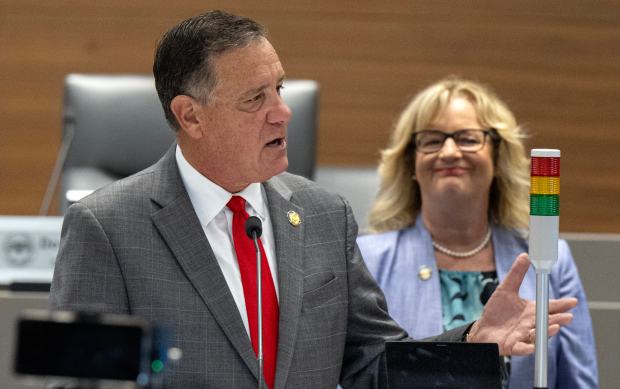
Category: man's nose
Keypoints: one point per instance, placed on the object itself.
(280, 114)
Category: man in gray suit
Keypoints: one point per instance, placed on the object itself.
(158, 244)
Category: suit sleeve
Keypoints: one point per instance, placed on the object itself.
(369, 324)
(576, 362)
(87, 276)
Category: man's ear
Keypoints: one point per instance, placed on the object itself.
(187, 111)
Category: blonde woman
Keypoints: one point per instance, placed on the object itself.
(451, 217)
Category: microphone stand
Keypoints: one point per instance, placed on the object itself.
(58, 166)
(254, 229)
(259, 292)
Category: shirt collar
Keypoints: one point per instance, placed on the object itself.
(209, 199)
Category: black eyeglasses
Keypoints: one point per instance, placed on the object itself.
(469, 141)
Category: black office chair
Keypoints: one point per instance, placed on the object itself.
(114, 126)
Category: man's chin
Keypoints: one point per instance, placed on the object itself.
(274, 169)
(281, 169)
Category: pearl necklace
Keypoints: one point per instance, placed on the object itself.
(463, 254)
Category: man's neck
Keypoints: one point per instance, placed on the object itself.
(224, 178)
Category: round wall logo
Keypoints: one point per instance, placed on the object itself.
(18, 249)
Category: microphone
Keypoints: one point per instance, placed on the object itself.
(254, 229)
(253, 226)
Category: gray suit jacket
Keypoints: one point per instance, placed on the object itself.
(137, 247)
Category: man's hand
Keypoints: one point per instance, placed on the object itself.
(510, 321)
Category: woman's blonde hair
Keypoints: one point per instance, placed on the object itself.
(399, 202)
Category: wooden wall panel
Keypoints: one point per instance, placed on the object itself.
(556, 63)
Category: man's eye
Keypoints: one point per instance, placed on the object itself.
(255, 98)
(279, 89)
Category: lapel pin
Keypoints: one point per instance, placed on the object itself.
(425, 273)
(294, 218)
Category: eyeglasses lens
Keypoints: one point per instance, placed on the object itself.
(430, 141)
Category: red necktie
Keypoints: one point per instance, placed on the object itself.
(246, 256)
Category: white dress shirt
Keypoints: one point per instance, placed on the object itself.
(209, 201)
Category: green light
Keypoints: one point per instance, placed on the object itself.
(157, 366)
(544, 205)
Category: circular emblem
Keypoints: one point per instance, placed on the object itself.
(425, 273)
(294, 218)
(18, 249)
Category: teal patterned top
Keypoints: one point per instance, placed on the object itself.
(464, 294)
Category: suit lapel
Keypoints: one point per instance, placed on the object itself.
(180, 228)
(289, 254)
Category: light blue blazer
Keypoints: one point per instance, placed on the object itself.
(395, 258)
